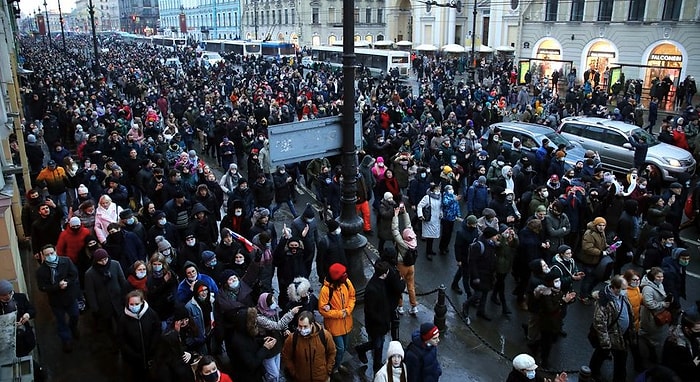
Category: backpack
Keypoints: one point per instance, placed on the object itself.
(295, 337)
(410, 257)
(688, 207)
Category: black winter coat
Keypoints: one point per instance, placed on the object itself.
(65, 270)
(138, 335)
(482, 265)
(378, 308)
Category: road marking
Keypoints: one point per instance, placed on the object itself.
(691, 274)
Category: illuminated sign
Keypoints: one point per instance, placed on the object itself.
(666, 57)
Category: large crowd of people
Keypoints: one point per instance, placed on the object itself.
(130, 225)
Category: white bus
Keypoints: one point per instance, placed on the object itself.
(378, 62)
(239, 47)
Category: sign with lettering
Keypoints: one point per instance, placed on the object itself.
(666, 57)
(304, 140)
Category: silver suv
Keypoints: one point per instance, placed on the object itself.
(611, 140)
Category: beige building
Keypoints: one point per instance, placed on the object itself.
(645, 39)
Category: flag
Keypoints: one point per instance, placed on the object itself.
(250, 247)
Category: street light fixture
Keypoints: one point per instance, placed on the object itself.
(60, 19)
(48, 23)
(96, 53)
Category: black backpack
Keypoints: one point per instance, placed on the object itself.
(410, 257)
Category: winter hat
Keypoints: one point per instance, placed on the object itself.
(180, 313)
(82, 189)
(666, 234)
(489, 213)
(541, 208)
(31, 138)
(394, 349)
(388, 196)
(198, 286)
(225, 275)
(482, 180)
(300, 286)
(332, 225)
(428, 330)
(308, 212)
(677, 252)
(380, 160)
(336, 271)
(207, 256)
(163, 243)
(125, 214)
(524, 362)
(100, 254)
(5, 287)
(608, 177)
(471, 219)
(563, 248)
(599, 220)
(654, 199)
(446, 170)
(409, 237)
(74, 221)
(489, 232)
(560, 154)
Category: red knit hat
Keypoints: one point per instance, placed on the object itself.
(336, 271)
(428, 331)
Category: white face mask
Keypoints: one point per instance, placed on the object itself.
(337, 231)
(557, 284)
(190, 242)
(274, 306)
(304, 331)
(238, 213)
(140, 274)
(162, 221)
(545, 194)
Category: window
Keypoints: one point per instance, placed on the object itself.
(380, 16)
(314, 16)
(551, 10)
(636, 10)
(672, 10)
(614, 138)
(356, 15)
(286, 16)
(594, 133)
(331, 15)
(368, 15)
(274, 19)
(267, 16)
(293, 16)
(573, 129)
(605, 8)
(279, 16)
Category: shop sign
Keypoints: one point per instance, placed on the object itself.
(666, 57)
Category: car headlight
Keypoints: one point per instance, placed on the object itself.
(673, 162)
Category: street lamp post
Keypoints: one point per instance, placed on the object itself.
(255, 17)
(48, 23)
(96, 53)
(60, 19)
(473, 65)
(350, 223)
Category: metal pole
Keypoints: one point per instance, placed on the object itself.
(91, 10)
(440, 310)
(473, 43)
(60, 19)
(48, 23)
(255, 17)
(215, 21)
(350, 223)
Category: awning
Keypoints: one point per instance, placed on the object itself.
(384, 43)
(484, 49)
(404, 43)
(505, 48)
(453, 48)
(426, 47)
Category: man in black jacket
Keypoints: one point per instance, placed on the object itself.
(377, 316)
(482, 268)
(467, 234)
(682, 347)
(18, 302)
(58, 277)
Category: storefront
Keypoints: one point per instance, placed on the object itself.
(664, 59)
(547, 57)
(599, 54)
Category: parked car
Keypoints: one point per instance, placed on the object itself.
(531, 136)
(611, 140)
(307, 61)
(211, 58)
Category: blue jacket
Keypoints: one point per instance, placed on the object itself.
(477, 198)
(184, 291)
(450, 207)
(421, 361)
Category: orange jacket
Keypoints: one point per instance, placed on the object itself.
(343, 298)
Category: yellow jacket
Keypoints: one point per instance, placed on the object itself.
(343, 299)
(635, 297)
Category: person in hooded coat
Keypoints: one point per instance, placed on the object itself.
(421, 355)
(331, 250)
(628, 231)
(378, 311)
(431, 225)
(203, 225)
(139, 330)
(104, 287)
(247, 365)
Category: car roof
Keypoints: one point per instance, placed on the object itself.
(603, 122)
(525, 127)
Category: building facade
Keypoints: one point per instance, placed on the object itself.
(106, 16)
(645, 39)
(136, 16)
(205, 19)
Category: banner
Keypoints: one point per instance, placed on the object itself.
(41, 25)
(183, 23)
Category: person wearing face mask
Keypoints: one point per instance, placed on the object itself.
(675, 268)
(138, 277)
(57, 276)
(271, 324)
(243, 194)
(482, 269)
(612, 319)
(305, 227)
(71, 241)
(299, 293)
(139, 331)
(634, 295)
(394, 369)
(540, 197)
(550, 301)
(432, 202)
(525, 369)
(336, 303)
(208, 371)
(191, 276)
(201, 312)
(130, 223)
(309, 354)
(161, 285)
(681, 348)
(421, 354)
(24, 311)
(378, 314)
(104, 287)
(416, 191)
(593, 248)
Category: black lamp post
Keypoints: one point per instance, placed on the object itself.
(255, 17)
(96, 53)
(60, 19)
(350, 223)
(48, 23)
(473, 64)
